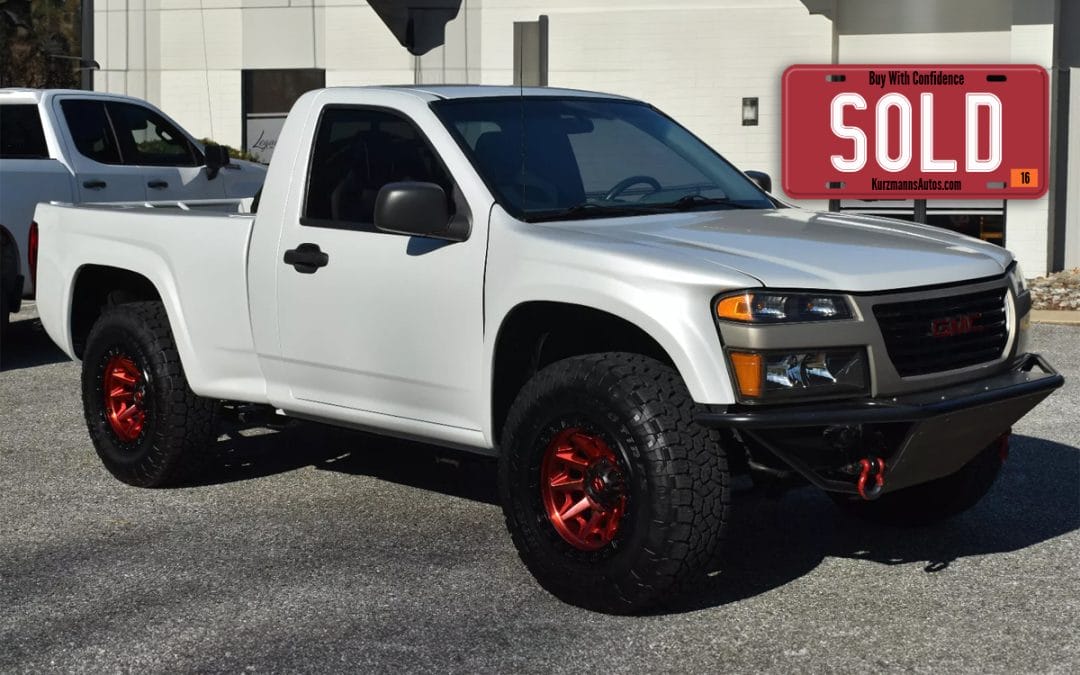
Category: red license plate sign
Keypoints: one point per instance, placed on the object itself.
(915, 132)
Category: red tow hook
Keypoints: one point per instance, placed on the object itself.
(871, 477)
(1003, 446)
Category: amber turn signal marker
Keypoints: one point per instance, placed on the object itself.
(748, 373)
(734, 308)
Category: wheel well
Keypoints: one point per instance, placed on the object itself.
(9, 248)
(9, 268)
(536, 334)
(97, 287)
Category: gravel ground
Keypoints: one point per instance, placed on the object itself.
(318, 550)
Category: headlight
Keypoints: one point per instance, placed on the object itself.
(765, 376)
(775, 307)
(1016, 277)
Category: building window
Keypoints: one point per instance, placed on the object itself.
(267, 97)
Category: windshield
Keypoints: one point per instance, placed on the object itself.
(547, 158)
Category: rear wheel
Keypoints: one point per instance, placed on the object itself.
(936, 500)
(146, 424)
(615, 497)
(5, 319)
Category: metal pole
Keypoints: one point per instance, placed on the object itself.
(543, 56)
(920, 210)
(86, 45)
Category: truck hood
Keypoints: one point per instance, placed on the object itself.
(792, 248)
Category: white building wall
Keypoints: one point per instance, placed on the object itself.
(695, 59)
(1027, 228)
(710, 59)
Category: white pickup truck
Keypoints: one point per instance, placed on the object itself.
(570, 281)
(79, 146)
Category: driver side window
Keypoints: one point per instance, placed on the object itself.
(147, 139)
(356, 152)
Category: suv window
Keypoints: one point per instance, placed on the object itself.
(147, 139)
(358, 151)
(91, 131)
(21, 135)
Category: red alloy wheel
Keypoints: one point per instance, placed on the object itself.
(583, 489)
(123, 387)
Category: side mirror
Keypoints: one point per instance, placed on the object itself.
(217, 156)
(761, 178)
(418, 209)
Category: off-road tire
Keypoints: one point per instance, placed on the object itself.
(178, 424)
(677, 481)
(5, 318)
(934, 501)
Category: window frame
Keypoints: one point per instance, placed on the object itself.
(40, 127)
(352, 226)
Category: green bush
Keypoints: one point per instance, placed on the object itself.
(235, 153)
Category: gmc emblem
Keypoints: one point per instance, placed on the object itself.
(952, 326)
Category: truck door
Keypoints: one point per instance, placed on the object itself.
(171, 165)
(100, 172)
(378, 323)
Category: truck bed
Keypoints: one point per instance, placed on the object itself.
(195, 256)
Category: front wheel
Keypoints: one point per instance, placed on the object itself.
(936, 500)
(616, 499)
(148, 427)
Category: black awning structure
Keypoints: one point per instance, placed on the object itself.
(419, 25)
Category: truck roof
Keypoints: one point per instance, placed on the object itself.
(464, 91)
(427, 92)
(23, 94)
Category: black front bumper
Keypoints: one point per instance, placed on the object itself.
(920, 436)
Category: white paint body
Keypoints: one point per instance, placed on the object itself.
(398, 335)
(24, 183)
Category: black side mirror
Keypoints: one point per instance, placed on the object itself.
(418, 209)
(761, 178)
(217, 156)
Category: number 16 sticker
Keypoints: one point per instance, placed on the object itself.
(1024, 178)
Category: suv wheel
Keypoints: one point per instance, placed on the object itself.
(146, 424)
(615, 497)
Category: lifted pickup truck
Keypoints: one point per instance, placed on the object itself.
(573, 282)
(82, 146)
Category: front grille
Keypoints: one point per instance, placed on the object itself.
(937, 334)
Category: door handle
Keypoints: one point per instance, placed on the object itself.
(158, 184)
(94, 184)
(306, 258)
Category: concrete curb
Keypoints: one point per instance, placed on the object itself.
(1060, 317)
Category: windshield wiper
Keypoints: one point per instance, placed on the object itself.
(591, 210)
(690, 201)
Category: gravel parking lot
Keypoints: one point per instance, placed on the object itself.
(313, 549)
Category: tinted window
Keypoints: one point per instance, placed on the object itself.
(148, 139)
(21, 135)
(357, 152)
(548, 158)
(91, 131)
(272, 91)
(616, 149)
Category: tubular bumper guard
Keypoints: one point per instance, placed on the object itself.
(939, 431)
